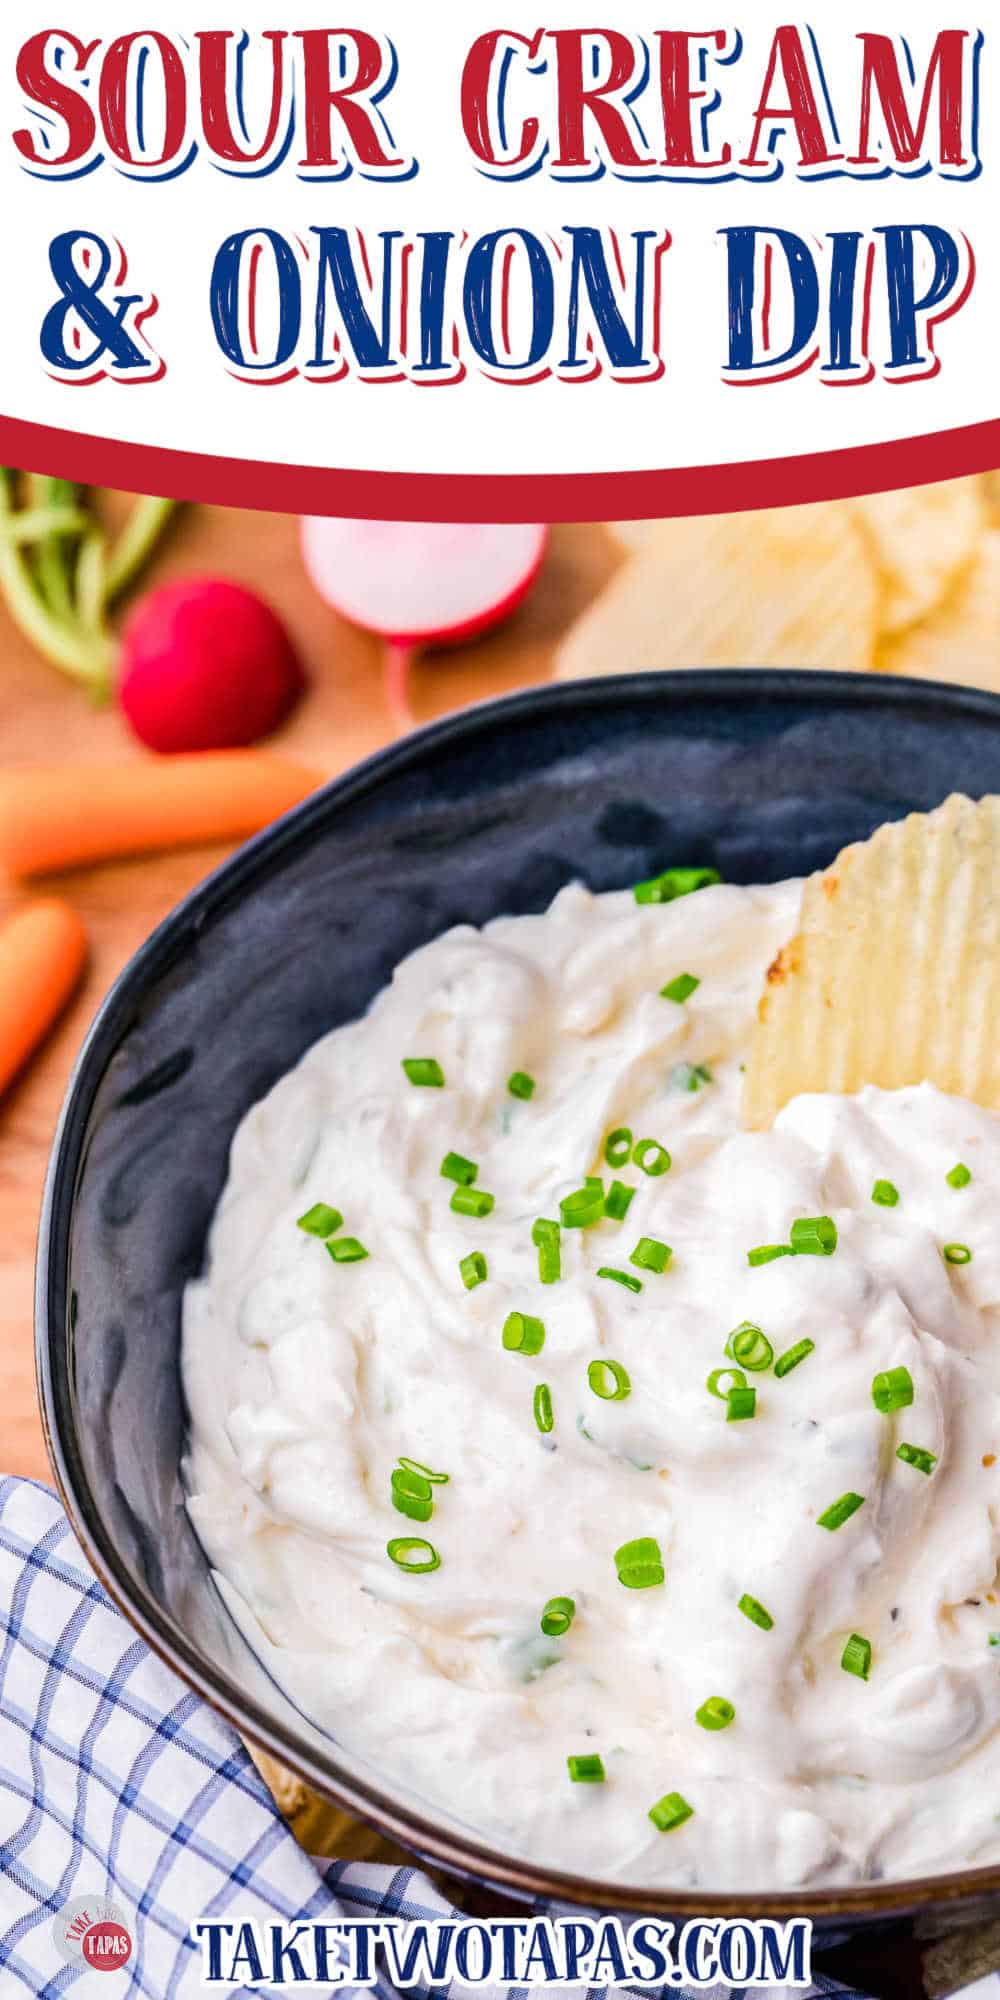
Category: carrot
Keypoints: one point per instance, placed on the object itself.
(42, 952)
(55, 816)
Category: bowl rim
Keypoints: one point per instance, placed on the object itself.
(460, 1855)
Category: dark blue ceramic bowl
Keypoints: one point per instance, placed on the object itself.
(763, 774)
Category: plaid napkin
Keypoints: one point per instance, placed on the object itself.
(122, 1793)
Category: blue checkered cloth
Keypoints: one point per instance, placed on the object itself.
(117, 1782)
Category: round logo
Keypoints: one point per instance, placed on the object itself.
(92, 1931)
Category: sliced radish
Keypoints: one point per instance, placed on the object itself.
(422, 583)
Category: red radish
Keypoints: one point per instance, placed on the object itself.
(206, 665)
(421, 583)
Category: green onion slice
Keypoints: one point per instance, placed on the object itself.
(741, 1403)
(424, 1472)
(650, 1254)
(813, 1236)
(651, 1158)
(455, 1167)
(472, 1201)
(680, 989)
(755, 1612)
(587, 1770)
(520, 1084)
(841, 1511)
(557, 1616)
(715, 1713)
(425, 1071)
(320, 1220)
(618, 1200)
(670, 1812)
(748, 1345)
(620, 1277)
(957, 1253)
(915, 1455)
(885, 1194)
(545, 1236)
(856, 1657)
(542, 1407)
(640, 1563)
(412, 1553)
(892, 1390)
(765, 1253)
(618, 1146)
(690, 1076)
(347, 1250)
(412, 1495)
(675, 882)
(959, 1176)
(722, 1380)
(609, 1380)
(584, 1207)
(523, 1334)
(792, 1356)
(474, 1270)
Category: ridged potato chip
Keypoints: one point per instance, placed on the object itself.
(788, 587)
(923, 540)
(961, 641)
(894, 974)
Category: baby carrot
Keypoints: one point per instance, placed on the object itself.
(55, 816)
(42, 953)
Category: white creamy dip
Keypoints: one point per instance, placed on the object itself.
(309, 1379)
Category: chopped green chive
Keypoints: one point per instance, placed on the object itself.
(792, 1356)
(723, 1380)
(715, 1713)
(412, 1494)
(424, 1471)
(675, 882)
(841, 1511)
(472, 1201)
(346, 1250)
(755, 1612)
(520, 1084)
(587, 1770)
(584, 1207)
(542, 1407)
(748, 1345)
(741, 1403)
(915, 1455)
(455, 1167)
(522, 1334)
(892, 1390)
(618, 1146)
(680, 989)
(885, 1194)
(650, 1254)
(651, 1158)
(474, 1270)
(609, 1380)
(959, 1176)
(856, 1657)
(994, 1639)
(690, 1076)
(813, 1236)
(412, 1553)
(557, 1616)
(765, 1253)
(618, 1200)
(620, 1277)
(545, 1237)
(425, 1071)
(320, 1220)
(957, 1253)
(669, 1812)
(639, 1563)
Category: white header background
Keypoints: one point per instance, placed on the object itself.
(172, 229)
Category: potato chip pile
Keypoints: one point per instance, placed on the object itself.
(902, 583)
